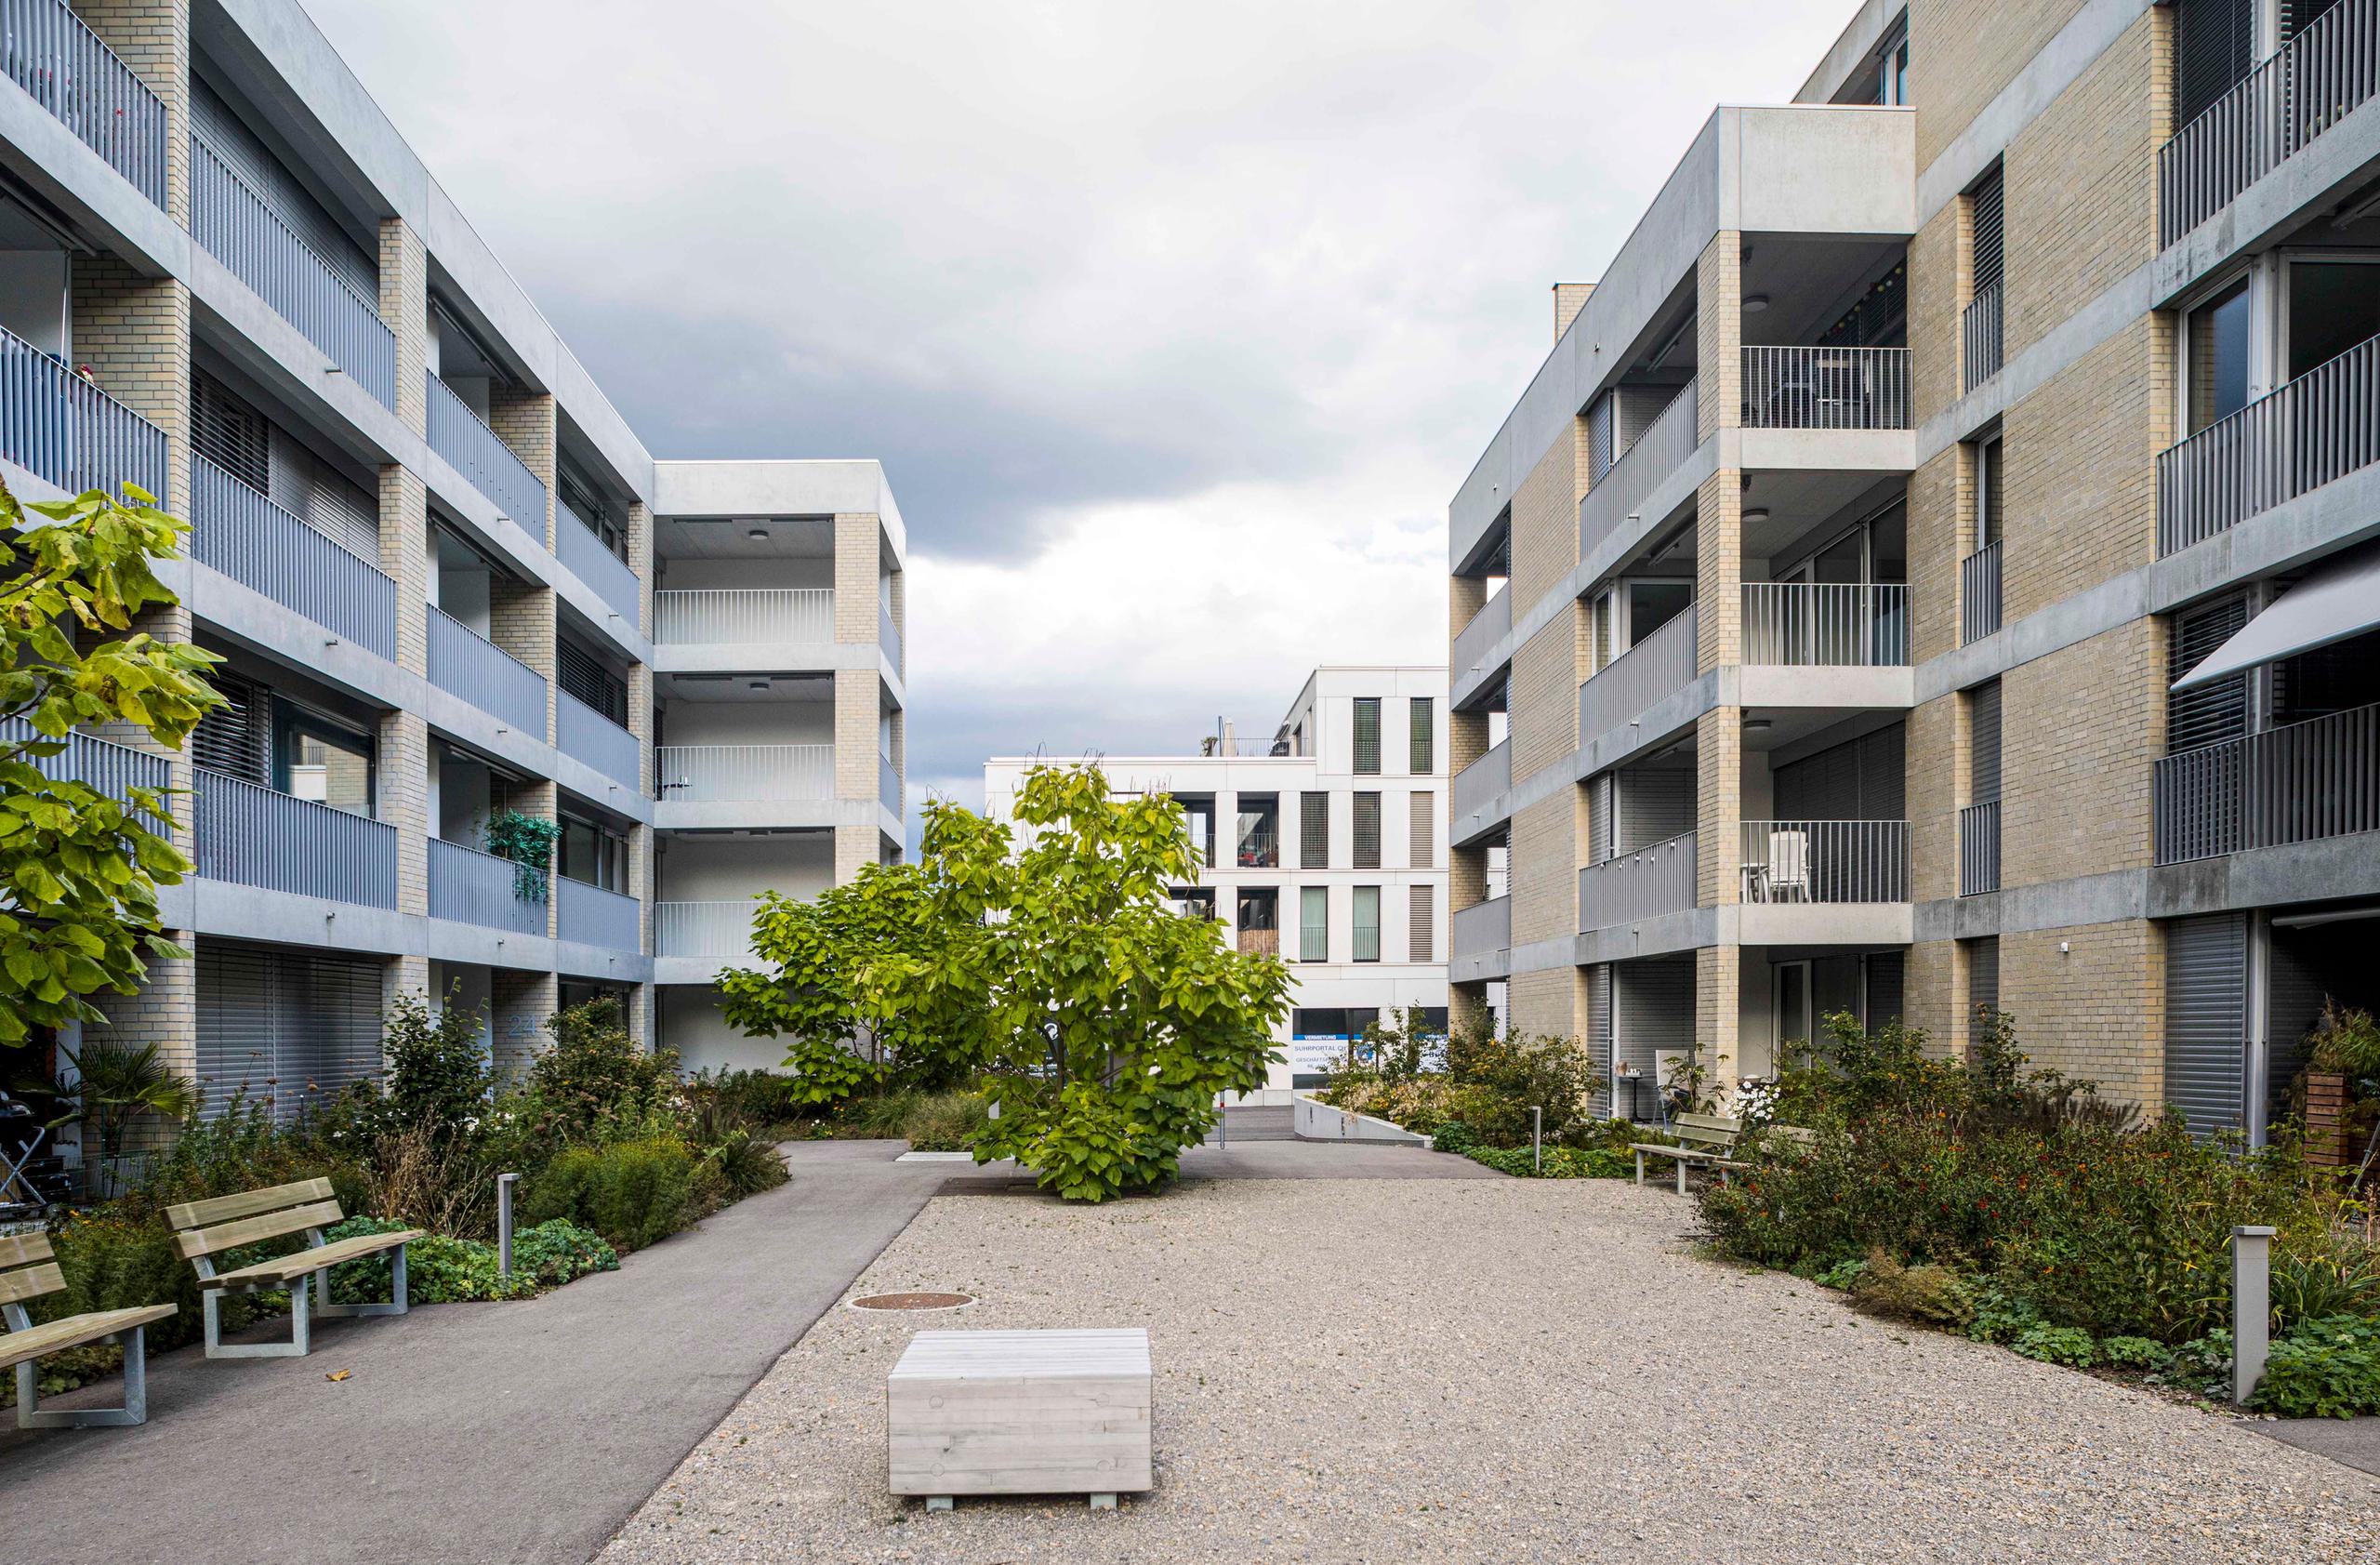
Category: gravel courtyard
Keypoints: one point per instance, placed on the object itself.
(1485, 1370)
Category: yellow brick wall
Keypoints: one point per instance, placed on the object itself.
(1930, 997)
(1718, 987)
(1941, 532)
(1962, 52)
(1937, 292)
(1545, 871)
(1933, 798)
(2077, 729)
(1542, 1002)
(1719, 335)
(1545, 527)
(1719, 570)
(1719, 776)
(2080, 501)
(1544, 698)
(2094, 1010)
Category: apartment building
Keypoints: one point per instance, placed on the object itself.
(449, 583)
(1931, 570)
(1323, 840)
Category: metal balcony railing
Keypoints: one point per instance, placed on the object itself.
(112, 769)
(1790, 861)
(1827, 624)
(2308, 86)
(2314, 431)
(698, 774)
(1806, 387)
(2302, 783)
(1979, 593)
(46, 49)
(464, 663)
(1667, 441)
(1481, 781)
(468, 886)
(703, 929)
(1476, 640)
(59, 426)
(1661, 665)
(591, 916)
(728, 616)
(259, 837)
(584, 734)
(475, 451)
(239, 228)
(1482, 929)
(1979, 848)
(888, 636)
(1314, 942)
(238, 531)
(1980, 337)
(1267, 942)
(1642, 883)
(888, 792)
(578, 546)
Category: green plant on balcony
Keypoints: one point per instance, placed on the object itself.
(528, 841)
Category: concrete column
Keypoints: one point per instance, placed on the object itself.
(1719, 782)
(859, 554)
(403, 975)
(403, 800)
(1718, 1001)
(522, 1003)
(522, 622)
(858, 705)
(1719, 335)
(855, 846)
(405, 559)
(1719, 571)
(152, 37)
(405, 308)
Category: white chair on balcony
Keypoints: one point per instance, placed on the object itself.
(1789, 868)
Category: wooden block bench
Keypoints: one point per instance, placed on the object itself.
(27, 1271)
(1021, 1413)
(1709, 1141)
(206, 1228)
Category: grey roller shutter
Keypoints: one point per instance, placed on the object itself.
(237, 738)
(214, 122)
(2206, 1018)
(1988, 209)
(1423, 829)
(2209, 713)
(312, 490)
(2294, 994)
(1422, 923)
(1602, 439)
(291, 1027)
(1366, 830)
(1599, 1037)
(2214, 45)
(1655, 806)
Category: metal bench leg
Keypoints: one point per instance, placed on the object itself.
(1102, 1502)
(1639, 1170)
(136, 1393)
(939, 1502)
(396, 1303)
(300, 1342)
(1681, 1176)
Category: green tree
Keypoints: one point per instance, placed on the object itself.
(79, 871)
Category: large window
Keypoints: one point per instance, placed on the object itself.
(2215, 346)
(1367, 924)
(1199, 809)
(1422, 927)
(1990, 483)
(1424, 758)
(1367, 736)
(323, 760)
(593, 854)
(1259, 831)
(1314, 925)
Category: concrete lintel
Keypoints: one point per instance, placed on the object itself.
(1767, 684)
(2316, 871)
(1690, 930)
(1818, 450)
(833, 486)
(2331, 166)
(2321, 522)
(773, 657)
(1817, 924)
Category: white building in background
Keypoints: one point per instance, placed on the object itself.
(1324, 840)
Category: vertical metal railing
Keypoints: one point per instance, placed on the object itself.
(722, 616)
(1667, 441)
(464, 663)
(475, 451)
(1827, 624)
(1979, 848)
(581, 548)
(592, 916)
(241, 533)
(586, 734)
(1790, 861)
(1980, 331)
(2313, 81)
(2313, 431)
(1809, 388)
(57, 425)
(888, 636)
(239, 228)
(890, 793)
(48, 50)
(1477, 639)
(703, 929)
(1479, 783)
(110, 768)
(261, 837)
(1654, 669)
(1979, 593)
(1484, 928)
(1642, 883)
(699, 774)
(2301, 783)
(468, 886)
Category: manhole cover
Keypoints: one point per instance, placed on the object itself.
(913, 1301)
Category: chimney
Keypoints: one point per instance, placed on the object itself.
(1568, 299)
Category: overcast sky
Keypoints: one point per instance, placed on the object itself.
(1174, 328)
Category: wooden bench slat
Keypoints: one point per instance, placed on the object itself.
(17, 1250)
(75, 1331)
(305, 1262)
(250, 1231)
(248, 1204)
(30, 1283)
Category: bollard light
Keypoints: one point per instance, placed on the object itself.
(504, 1183)
(2251, 1308)
(1537, 1139)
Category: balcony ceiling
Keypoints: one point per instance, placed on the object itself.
(801, 538)
(727, 688)
(1809, 282)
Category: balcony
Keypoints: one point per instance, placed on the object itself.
(58, 426)
(804, 615)
(468, 886)
(2275, 111)
(2314, 431)
(1654, 668)
(2302, 783)
(1809, 388)
(888, 792)
(888, 636)
(591, 560)
(62, 65)
(238, 532)
(1484, 928)
(721, 930)
(1979, 848)
(259, 837)
(1826, 623)
(1478, 785)
(1267, 942)
(1782, 862)
(472, 449)
(1981, 338)
(464, 663)
(109, 768)
(1643, 883)
(706, 773)
(1664, 447)
(1979, 593)
(236, 226)
(584, 734)
(1475, 640)
(589, 915)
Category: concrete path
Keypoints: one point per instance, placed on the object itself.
(510, 1433)
(2352, 1442)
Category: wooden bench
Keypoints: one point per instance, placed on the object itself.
(1709, 1141)
(1021, 1413)
(27, 1271)
(206, 1228)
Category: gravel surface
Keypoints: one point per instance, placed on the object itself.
(1498, 1371)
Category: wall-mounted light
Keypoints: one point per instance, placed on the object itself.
(1755, 515)
(1757, 725)
(758, 535)
(1755, 303)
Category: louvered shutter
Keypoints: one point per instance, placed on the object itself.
(1983, 744)
(1422, 757)
(1422, 923)
(2208, 713)
(229, 434)
(1599, 1036)
(1366, 832)
(1654, 1003)
(318, 494)
(1422, 837)
(583, 677)
(1983, 975)
(1313, 830)
(1601, 439)
(2206, 1019)
(292, 1027)
(1366, 725)
(2214, 45)
(1886, 981)
(1988, 210)
(237, 738)
(214, 122)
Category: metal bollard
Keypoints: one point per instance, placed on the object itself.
(504, 1183)
(1537, 1139)
(2251, 1308)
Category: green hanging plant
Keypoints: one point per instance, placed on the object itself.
(528, 841)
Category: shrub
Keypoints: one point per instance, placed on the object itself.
(1928, 1294)
(438, 1074)
(633, 1193)
(2325, 1369)
(2070, 1345)
(1560, 1162)
(596, 1084)
(1842, 1277)
(444, 1270)
(2340, 1281)
(743, 1164)
(2135, 1353)
(559, 1252)
(2206, 1359)
(759, 1097)
(1454, 1135)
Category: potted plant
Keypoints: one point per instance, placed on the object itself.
(2342, 1085)
(528, 841)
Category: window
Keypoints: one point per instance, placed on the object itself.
(1199, 809)
(2214, 345)
(1367, 736)
(1422, 834)
(1314, 925)
(1423, 757)
(1193, 902)
(1367, 924)
(1891, 66)
(1421, 926)
(1989, 484)
(593, 854)
(1259, 831)
(1313, 830)
(579, 499)
(1652, 605)
(326, 761)
(235, 739)
(229, 434)
(1366, 830)
(581, 675)
(2208, 713)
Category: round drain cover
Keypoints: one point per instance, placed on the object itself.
(913, 1301)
